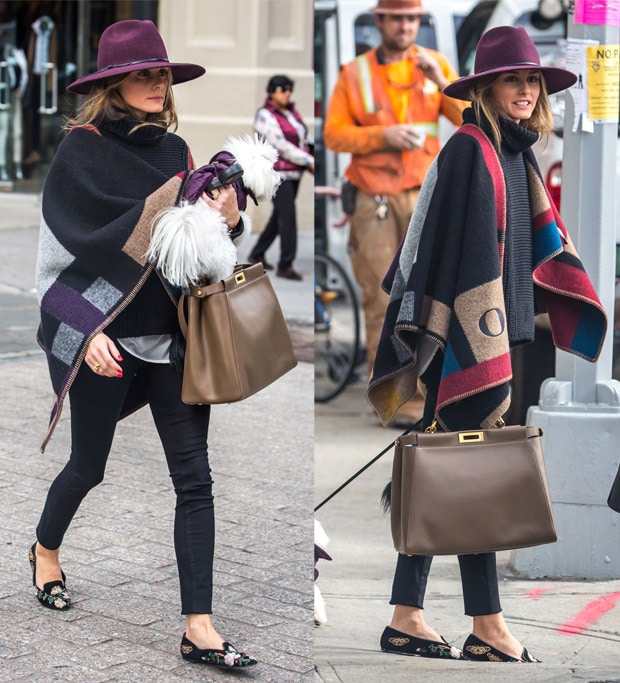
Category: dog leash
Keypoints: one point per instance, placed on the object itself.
(415, 427)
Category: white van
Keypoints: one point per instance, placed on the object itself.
(343, 29)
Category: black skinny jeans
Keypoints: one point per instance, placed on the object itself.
(478, 572)
(96, 403)
(283, 222)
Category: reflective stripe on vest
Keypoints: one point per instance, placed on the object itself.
(364, 67)
(365, 72)
(429, 127)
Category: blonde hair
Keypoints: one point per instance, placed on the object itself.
(105, 102)
(485, 106)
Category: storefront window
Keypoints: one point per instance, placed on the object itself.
(44, 46)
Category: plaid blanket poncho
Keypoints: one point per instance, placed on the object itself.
(446, 294)
(98, 205)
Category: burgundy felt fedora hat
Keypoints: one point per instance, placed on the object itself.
(399, 7)
(508, 48)
(132, 45)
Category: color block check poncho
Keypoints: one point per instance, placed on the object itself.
(446, 293)
(98, 206)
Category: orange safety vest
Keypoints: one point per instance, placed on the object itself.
(390, 172)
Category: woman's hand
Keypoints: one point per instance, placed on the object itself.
(102, 356)
(225, 201)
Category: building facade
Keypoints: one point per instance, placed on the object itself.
(44, 45)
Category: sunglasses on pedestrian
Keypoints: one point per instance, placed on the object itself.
(285, 88)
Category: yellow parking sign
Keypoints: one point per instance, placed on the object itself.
(603, 63)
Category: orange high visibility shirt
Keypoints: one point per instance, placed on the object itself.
(369, 96)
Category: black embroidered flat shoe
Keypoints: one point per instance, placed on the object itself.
(54, 593)
(401, 643)
(477, 650)
(225, 658)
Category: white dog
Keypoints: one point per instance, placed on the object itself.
(321, 541)
(190, 242)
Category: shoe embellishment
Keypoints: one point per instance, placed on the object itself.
(440, 650)
(227, 657)
(479, 651)
(398, 642)
(57, 597)
(401, 643)
(231, 657)
(54, 594)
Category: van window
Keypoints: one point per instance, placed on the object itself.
(545, 34)
(469, 32)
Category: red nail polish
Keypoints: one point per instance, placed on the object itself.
(119, 357)
(119, 373)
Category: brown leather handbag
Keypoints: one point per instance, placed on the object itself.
(236, 335)
(470, 492)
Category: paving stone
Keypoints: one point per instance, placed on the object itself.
(292, 629)
(54, 673)
(276, 608)
(118, 553)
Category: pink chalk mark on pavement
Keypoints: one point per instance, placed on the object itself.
(590, 613)
(535, 593)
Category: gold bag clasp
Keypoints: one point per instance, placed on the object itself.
(471, 437)
(239, 278)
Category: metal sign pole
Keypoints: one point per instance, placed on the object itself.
(579, 409)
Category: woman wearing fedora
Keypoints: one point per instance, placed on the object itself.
(108, 318)
(485, 252)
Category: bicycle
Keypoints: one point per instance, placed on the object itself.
(336, 328)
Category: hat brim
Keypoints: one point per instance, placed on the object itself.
(556, 79)
(418, 11)
(181, 73)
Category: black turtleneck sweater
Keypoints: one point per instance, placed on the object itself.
(518, 263)
(152, 311)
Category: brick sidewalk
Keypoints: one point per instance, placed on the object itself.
(118, 553)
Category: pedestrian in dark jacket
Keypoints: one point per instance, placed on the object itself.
(279, 122)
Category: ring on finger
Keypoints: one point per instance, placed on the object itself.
(97, 367)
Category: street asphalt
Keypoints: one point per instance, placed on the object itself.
(118, 554)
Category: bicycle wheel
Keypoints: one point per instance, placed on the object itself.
(336, 328)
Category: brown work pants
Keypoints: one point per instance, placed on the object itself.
(373, 243)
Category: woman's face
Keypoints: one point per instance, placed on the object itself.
(145, 91)
(281, 96)
(516, 93)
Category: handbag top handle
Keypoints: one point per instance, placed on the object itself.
(432, 428)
